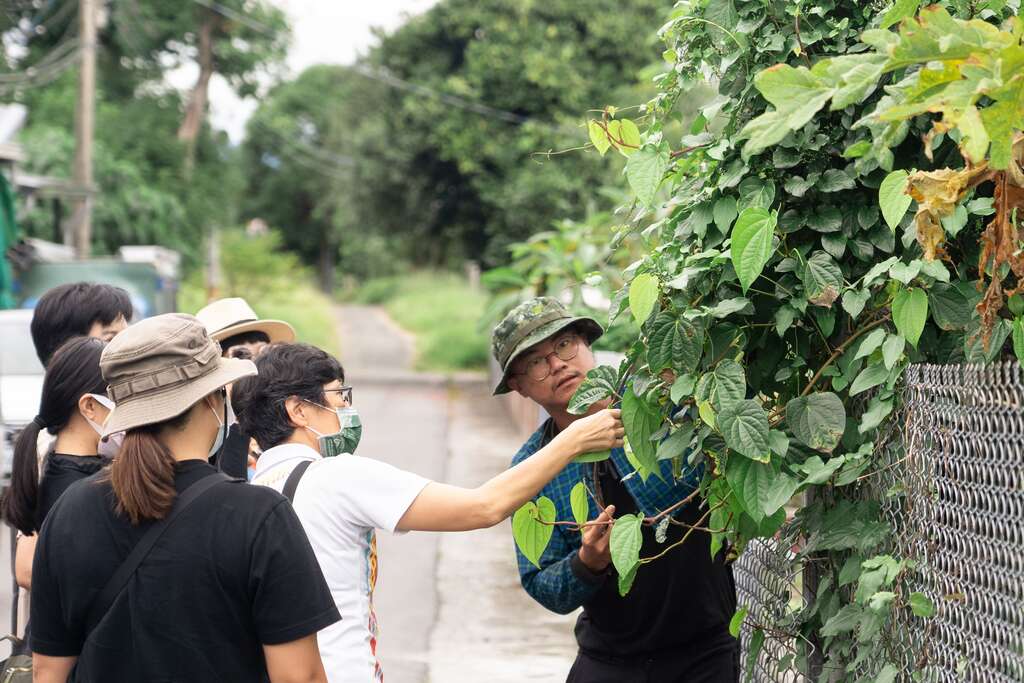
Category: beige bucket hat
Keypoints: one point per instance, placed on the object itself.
(225, 318)
(160, 367)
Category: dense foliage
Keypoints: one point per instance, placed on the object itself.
(163, 176)
(786, 286)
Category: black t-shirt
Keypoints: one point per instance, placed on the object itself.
(680, 604)
(233, 572)
(59, 472)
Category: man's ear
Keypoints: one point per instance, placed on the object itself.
(296, 409)
(513, 384)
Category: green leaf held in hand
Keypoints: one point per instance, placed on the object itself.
(598, 385)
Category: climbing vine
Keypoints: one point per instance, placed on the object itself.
(849, 202)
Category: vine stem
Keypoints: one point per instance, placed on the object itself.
(703, 518)
(686, 150)
(649, 521)
(839, 351)
(882, 469)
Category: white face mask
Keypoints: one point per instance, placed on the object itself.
(108, 447)
(223, 427)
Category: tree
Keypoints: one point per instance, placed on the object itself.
(152, 186)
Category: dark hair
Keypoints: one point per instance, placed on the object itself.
(285, 370)
(250, 337)
(73, 372)
(70, 310)
(142, 474)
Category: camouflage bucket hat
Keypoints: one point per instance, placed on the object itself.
(530, 323)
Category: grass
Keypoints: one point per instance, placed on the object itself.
(303, 306)
(441, 310)
(274, 283)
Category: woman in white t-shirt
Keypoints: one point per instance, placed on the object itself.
(298, 411)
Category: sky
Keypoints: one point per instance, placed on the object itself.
(323, 32)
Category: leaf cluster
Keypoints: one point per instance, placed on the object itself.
(789, 283)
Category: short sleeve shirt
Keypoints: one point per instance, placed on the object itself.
(341, 501)
(233, 572)
(59, 472)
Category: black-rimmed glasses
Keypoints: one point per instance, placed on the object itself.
(344, 392)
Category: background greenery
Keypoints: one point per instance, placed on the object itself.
(418, 301)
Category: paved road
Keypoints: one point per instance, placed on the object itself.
(449, 605)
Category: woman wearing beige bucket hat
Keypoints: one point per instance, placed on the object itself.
(161, 568)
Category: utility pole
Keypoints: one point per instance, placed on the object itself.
(85, 116)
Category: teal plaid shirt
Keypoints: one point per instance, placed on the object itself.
(563, 584)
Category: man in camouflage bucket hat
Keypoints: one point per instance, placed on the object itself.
(673, 624)
(530, 323)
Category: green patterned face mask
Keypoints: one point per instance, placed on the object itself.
(345, 440)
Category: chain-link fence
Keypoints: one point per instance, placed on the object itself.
(950, 479)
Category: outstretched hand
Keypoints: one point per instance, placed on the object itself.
(598, 432)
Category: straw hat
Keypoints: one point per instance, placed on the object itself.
(160, 367)
(225, 318)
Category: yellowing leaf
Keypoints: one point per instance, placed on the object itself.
(937, 194)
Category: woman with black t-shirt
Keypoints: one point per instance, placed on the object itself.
(73, 407)
(229, 590)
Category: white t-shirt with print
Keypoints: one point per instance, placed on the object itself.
(341, 501)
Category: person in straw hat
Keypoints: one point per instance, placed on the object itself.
(241, 334)
(227, 587)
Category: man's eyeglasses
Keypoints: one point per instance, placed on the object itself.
(344, 392)
(240, 352)
(566, 348)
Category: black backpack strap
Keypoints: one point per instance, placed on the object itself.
(292, 482)
(105, 599)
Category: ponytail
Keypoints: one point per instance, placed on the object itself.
(142, 475)
(73, 372)
(20, 501)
